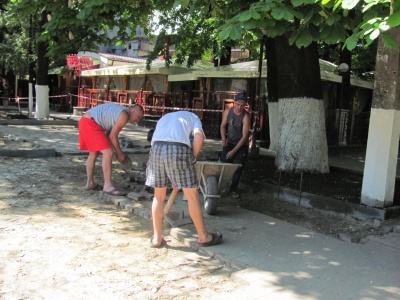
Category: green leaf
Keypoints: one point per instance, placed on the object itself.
(224, 34)
(288, 16)
(247, 38)
(278, 13)
(185, 3)
(349, 4)
(305, 39)
(297, 14)
(394, 19)
(374, 34)
(308, 16)
(352, 41)
(236, 33)
(250, 24)
(245, 16)
(297, 3)
(331, 20)
(337, 5)
(255, 15)
(325, 32)
(294, 36)
(389, 42)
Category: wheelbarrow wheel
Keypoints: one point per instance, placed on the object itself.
(211, 203)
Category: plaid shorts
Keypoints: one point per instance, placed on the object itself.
(173, 162)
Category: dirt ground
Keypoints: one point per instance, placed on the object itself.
(61, 241)
(338, 184)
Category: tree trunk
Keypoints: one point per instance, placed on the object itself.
(301, 145)
(384, 128)
(272, 91)
(42, 87)
(31, 69)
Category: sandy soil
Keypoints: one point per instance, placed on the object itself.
(60, 241)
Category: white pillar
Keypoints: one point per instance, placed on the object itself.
(30, 100)
(42, 102)
(381, 158)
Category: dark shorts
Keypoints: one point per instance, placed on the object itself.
(173, 162)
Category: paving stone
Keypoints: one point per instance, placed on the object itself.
(147, 195)
(136, 196)
(122, 204)
(130, 207)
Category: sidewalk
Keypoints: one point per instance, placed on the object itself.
(277, 259)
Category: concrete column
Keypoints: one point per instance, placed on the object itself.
(383, 136)
(42, 102)
(381, 158)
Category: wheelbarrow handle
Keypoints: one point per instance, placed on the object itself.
(171, 200)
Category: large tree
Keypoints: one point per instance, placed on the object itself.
(65, 27)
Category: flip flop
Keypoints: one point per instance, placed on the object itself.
(216, 238)
(115, 192)
(97, 187)
(162, 244)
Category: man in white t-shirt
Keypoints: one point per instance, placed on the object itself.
(172, 158)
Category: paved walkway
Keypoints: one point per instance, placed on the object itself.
(277, 259)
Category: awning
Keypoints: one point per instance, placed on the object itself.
(157, 67)
(248, 69)
(56, 71)
(182, 77)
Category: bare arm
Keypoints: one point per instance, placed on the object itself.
(115, 131)
(198, 139)
(222, 127)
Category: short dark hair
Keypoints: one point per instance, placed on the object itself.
(137, 106)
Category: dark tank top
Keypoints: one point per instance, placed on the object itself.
(235, 127)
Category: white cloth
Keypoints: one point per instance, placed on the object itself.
(177, 127)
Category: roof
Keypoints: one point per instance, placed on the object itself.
(157, 67)
(249, 69)
(123, 65)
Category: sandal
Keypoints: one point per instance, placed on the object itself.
(115, 192)
(216, 238)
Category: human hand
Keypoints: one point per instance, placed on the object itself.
(122, 157)
(229, 155)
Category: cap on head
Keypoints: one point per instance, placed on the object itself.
(240, 97)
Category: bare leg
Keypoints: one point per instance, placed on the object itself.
(107, 169)
(196, 213)
(157, 210)
(90, 166)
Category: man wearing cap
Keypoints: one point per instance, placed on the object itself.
(234, 130)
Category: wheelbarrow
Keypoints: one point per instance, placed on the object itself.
(213, 178)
